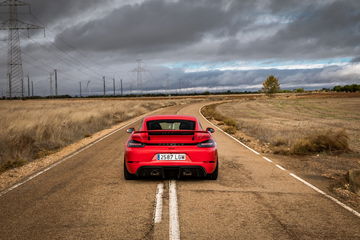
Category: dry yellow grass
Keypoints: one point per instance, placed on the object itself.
(32, 129)
(284, 122)
(309, 127)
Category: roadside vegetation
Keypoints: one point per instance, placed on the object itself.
(316, 136)
(35, 128)
(347, 88)
(294, 126)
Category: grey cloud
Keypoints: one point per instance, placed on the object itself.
(49, 11)
(320, 31)
(355, 59)
(150, 26)
(312, 29)
(242, 80)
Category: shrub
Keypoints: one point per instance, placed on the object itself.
(299, 90)
(211, 113)
(230, 129)
(278, 141)
(230, 122)
(329, 141)
(11, 164)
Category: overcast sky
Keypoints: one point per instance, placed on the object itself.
(195, 45)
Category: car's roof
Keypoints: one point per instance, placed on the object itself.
(167, 117)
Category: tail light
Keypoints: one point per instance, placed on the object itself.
(135, 144)
(207, 144)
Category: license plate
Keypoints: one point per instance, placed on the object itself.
(171, 157)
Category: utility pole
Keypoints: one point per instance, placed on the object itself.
(10, 87)
(87, 87)
(28, 84)
(32, 88)
(56, 85)
(80, 89)
(104, 86)
(167, 84)
(121, 87)
(51, 85)
(114, 86)
(14, 62)
(22, 88)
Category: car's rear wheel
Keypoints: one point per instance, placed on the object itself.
(127, 175)
(214, 175)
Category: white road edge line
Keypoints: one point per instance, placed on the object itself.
(326, 195)
(174, 229)
(278, 166)
(291, 174)
(69, 156)
(237, 140)
(158, 203)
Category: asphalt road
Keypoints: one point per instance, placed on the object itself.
(86, 197)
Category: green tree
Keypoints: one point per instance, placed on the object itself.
(271, 85)
(299, 90)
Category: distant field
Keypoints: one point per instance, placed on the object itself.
(34, 128)
(283, 121)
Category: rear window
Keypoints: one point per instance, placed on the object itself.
(171, 124)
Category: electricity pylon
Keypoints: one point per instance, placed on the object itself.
(15, 73)
(139, 70)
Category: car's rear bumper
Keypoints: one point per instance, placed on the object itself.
(196, 158)
(171, 171)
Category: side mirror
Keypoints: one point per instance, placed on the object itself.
(130, 130)
(210, 130)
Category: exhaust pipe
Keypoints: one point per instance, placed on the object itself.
(155, 173)
(187, 173)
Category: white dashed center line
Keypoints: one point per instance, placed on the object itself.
(174, 229)
(158, 203)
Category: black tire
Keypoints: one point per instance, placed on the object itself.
(214, 175)
(127, 175)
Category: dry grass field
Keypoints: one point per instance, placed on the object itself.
(35, 128)
(286, 122)
(317, 137)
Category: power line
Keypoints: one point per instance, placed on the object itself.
(72, 48)
(62, 59)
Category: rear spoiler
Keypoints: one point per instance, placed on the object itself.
(171, 131)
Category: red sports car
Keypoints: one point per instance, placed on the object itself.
(171, 146)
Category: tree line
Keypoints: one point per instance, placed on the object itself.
(272, 85)
(347, 88)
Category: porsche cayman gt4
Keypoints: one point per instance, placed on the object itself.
(170, 146)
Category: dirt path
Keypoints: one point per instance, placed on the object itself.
(86, 197)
